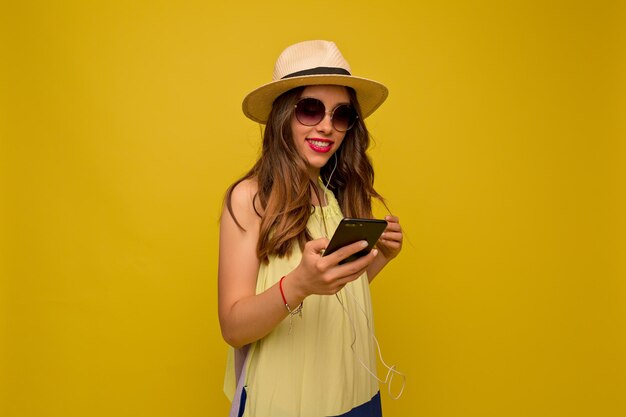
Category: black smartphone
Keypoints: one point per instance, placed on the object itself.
(353, 230)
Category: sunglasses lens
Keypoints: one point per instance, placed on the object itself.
(344, 117)
(310, 111)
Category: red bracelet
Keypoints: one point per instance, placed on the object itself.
(282, 294)
(280, 284)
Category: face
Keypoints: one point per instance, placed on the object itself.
(318, 143)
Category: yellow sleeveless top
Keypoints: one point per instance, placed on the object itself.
(319, 369)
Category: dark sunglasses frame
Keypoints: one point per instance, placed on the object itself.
(323, 114)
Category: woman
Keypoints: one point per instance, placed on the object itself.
(300, 323)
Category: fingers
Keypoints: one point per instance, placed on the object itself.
(393, 224)
(392, 219)
(354, 269)
(348, 272)
(391, 237)
(317, 246)
(390, 249)
(342, 253)
(393, 231)
(326, 276)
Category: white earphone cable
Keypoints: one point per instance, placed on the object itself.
(329, 178)
(391, 370)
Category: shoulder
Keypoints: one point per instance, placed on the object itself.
(242, 194)
(240, 203)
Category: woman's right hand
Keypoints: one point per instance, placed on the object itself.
(317, 274)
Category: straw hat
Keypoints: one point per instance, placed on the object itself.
(312, 63)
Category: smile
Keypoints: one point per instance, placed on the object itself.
(320, 145)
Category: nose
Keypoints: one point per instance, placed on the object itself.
(326, 124)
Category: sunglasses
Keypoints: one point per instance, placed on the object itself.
(310, 111)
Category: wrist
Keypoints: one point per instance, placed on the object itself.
(292, 290)
(386, 255)
(293, 305)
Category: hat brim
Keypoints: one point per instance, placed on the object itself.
(258, 104)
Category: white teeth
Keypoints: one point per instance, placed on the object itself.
(320, 143)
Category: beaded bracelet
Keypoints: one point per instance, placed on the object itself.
(297, 310)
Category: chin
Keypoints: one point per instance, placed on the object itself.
(318, 163)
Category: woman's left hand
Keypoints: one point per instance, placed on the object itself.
(390, 242)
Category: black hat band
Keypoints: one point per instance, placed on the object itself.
(318, 71)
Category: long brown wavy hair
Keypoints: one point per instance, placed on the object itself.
(283, 199)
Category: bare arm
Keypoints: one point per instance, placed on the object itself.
(244, 316)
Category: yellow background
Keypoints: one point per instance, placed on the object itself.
(501, 147)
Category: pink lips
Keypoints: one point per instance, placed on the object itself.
(320, 145)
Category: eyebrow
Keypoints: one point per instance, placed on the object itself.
(316, 98)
